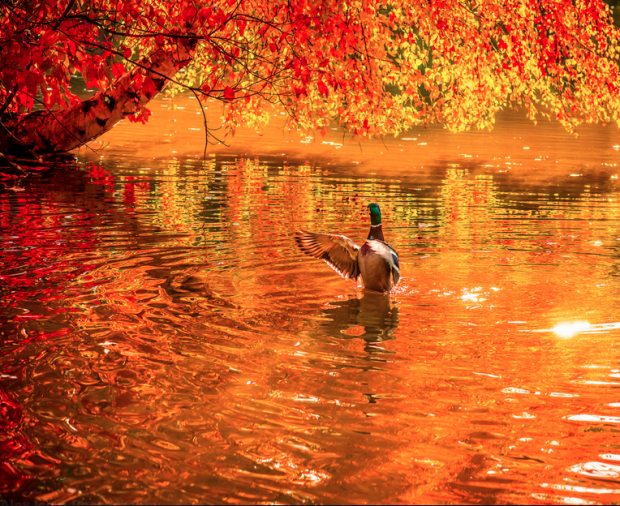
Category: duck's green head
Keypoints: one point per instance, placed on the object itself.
(375, 214)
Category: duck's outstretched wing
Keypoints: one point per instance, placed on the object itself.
(338, 251)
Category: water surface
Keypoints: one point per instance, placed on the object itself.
(162, 340)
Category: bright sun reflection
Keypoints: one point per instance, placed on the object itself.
(570, 329)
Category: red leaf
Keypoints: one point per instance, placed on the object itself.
(140, 116)
(148, 87)
(323, 90)
(189, 14)
(118, 69)
(229, 94)
(241, 24)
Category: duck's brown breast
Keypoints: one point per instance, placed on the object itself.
(376, 272)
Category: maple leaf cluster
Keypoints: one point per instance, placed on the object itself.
(373, 67)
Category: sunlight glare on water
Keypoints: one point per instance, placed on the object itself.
(164, 341)
(570, 329)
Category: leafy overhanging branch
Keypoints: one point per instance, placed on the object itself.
(373, 67)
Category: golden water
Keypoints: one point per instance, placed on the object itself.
(163, 340)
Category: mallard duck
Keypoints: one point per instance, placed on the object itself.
(376, 260)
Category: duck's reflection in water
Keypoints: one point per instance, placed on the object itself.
(373, 317)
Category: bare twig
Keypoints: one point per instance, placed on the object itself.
(204, 116)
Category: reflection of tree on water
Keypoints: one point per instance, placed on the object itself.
(372, 317)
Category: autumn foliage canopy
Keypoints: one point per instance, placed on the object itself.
(373, 67)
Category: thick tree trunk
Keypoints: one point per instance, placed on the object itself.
(64, 130)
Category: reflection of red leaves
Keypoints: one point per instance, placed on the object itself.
(42, 336)
(27, 317)
(133, 184)
(100, 176)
